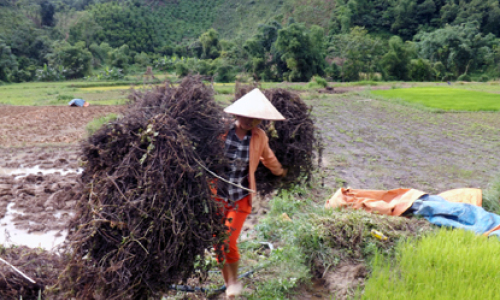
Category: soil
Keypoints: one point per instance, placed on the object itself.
(373, 144)
(369, 144)
(35, 125)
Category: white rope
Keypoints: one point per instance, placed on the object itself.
(225, 180)
(18, 271)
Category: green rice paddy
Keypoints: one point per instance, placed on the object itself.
(58, 93)
(446, 98)
(453, 264)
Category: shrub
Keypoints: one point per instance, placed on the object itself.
(225, 73)
(320, 81)
(165, 63)
(107, 74)
(333, 71)
(48, 73)
(484, 78)
(439, 70)
(142, 59)
(181, 69)
(76, 60)
(421, 70)
(464, 77)
(119, 57)
(204, 67)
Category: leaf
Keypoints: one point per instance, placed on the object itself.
(143, 158)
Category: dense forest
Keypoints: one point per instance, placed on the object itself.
(270, 40)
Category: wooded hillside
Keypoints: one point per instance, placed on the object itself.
(396, 39)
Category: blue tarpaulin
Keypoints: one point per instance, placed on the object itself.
(440, 212)
(77, 102)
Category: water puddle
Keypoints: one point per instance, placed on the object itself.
(23, 172)
(10, 235)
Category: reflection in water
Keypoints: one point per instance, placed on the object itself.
(23, 172)
(10, 235)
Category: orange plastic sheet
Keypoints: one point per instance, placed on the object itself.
(395, 202)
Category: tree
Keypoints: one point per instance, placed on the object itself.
(426, 11)
(265, 60)
(224, 73)
(127, 23)
(396, 62)
(8, 61)
(342, 17)
(210, 44)
(142, 59)
(405, 23)
(119, 57)
(84, 29)
(47, 10)
(421, 70)
(76, 60)
(460, 48)
(303, 58)
(486, 13)
(356, 52)
(100, 53)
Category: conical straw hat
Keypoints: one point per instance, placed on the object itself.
(255, 105)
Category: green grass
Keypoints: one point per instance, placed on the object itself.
(449, 265)
(97, 123)
(445, 98)
(60, 93)
(491, 196)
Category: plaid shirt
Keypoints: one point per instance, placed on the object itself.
(238, 153)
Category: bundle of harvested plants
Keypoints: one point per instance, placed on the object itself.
(295, 141)
(147, 213)
(26, 272)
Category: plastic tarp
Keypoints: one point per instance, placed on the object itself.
(441, 212)
(458, 208)
(395, 202)
(392, 202)
(77, 102)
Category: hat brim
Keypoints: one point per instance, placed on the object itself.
(255, 105)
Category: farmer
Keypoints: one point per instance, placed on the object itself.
(245, 146)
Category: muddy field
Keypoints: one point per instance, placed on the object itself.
(369, 144)
(38, 170)
(374, 144)
(41, 125)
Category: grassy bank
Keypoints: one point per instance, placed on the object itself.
(313, 241)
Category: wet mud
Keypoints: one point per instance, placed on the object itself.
(38, 125)
(38, 189)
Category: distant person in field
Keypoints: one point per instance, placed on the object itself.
(78, 103)
(245, 146)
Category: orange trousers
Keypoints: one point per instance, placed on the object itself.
(235, 216)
